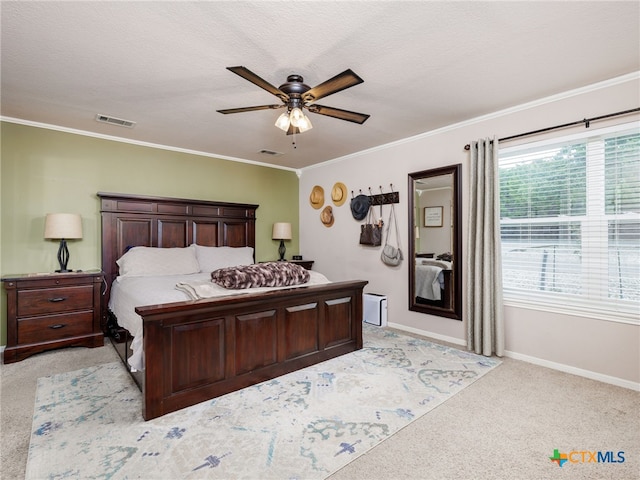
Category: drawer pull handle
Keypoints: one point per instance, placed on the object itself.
(57, 326)
(57, 299)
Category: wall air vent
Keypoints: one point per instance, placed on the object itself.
(115, 121)
(270, 152)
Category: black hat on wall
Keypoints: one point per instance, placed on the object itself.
(360, 206)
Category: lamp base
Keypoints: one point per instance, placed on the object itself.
(281, 251)
(63, 257)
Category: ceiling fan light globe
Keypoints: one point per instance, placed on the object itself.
(283, 122)
(296, 117)
(305, 124)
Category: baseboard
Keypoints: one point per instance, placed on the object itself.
(424, 333)
(600, 377)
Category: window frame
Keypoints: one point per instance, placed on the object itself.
(557, 303)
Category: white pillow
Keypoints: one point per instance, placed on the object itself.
(213, 258)
(147, 261)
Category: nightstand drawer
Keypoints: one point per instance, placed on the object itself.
(54, 327)
(54, 300)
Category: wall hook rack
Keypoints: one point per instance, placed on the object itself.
(384, 198)
(381, 198)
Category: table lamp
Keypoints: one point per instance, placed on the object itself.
(282, 232)
(63, 226)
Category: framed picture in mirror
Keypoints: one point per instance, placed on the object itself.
(432, 216)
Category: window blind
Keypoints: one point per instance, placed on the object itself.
(570, 223)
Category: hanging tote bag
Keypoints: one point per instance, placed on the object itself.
(392, 255)
(371, 233)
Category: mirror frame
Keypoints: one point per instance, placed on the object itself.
(456, 311)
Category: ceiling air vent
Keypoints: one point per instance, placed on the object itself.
(270, 152)
(115, 121)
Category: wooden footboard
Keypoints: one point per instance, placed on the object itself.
(198, 350)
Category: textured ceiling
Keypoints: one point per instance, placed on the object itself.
(425, 65)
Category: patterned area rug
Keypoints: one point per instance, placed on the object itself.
(306, 424)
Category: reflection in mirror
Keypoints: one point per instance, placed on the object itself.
(435, 248)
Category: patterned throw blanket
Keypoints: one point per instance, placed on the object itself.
(269, 274)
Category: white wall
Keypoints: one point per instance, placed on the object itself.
(600, 349)
(436, 240)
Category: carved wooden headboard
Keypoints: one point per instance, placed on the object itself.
(135, 220)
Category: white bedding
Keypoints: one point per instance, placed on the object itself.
(430, 279)
(130, 292)
(198, 288)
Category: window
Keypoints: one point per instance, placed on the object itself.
(570, 223)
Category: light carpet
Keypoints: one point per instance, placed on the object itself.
(306, 424)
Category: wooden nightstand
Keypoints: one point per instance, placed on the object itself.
(46, 311)
(303, 263)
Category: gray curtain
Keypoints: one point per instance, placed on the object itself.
(485, 320)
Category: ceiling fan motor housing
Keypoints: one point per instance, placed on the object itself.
(295, 86)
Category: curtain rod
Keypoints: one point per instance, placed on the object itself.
(586, 121)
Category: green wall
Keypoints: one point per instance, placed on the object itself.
(46, 171)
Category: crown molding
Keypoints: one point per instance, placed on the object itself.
(634, 76)
(74, 131)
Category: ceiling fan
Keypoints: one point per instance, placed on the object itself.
(296, 96)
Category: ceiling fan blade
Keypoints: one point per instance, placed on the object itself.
(249, 109)
(256, 80)
(336, 84)
(354, 117)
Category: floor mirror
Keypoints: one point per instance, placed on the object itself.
(435, 249)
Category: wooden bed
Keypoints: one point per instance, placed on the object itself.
(200, 349)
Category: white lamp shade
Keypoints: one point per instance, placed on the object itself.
(63, 225)
(283, 122)
(296, 117)
(304, 124)
(281, 231)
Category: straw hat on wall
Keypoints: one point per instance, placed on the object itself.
(316, 199)
(326, 216)
(339, 194)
